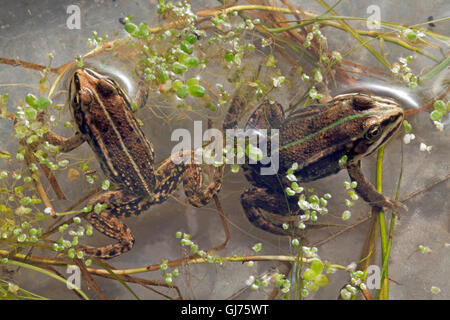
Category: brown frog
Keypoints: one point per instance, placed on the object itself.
(316, 138)
(104, 118)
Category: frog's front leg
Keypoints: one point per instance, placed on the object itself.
(64, 144)
(367, 190)
(108, 223)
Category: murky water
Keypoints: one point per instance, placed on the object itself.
(29, 31)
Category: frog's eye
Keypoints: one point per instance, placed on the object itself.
(373, 132)
(77, 81)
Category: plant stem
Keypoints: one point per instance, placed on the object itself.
(222, 259)
(382, 293)
(436, 69)
(48, 273)
(355, 34)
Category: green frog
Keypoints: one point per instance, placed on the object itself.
(104, 119)
(316, 138)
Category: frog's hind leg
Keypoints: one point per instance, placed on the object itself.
(255, 199)
(113, 228)
(108, 223)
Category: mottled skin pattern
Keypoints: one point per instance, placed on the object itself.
(316, 138)
(104, 119)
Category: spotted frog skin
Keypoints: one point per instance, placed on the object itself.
(316, 138)
(103, 116)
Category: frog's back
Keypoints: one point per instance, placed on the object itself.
(129, 154)
(316, 138)
(108, 125)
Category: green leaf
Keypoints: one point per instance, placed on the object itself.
(191, 62)
(179, 68)
(4, 99)
(254, 153)
(439, 105)
(182, 58)
(196, 91)
(105, 185)
(177, 84)
(346, 215)
(43, 103)
(407, 125)
(163, 77)
(317, 266)
(183, 91)
(191, 38)
(436, 115)
(30, 113)
(412, 36)
(186, 47)
(317, 75)
(309, 274)
(131, 28)
(289, 191)
(343, 160)
(191, 81)
(229, 56)
(257, 247)
(291, 177)
(312, 286)
(142, 30)
(31, 99)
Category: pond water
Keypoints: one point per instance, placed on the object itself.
(29, 31)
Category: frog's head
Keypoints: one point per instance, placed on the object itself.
(88, 88)
(378, 119)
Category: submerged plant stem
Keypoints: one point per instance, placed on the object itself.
(48, 273)
(383, 292)
(223, 260)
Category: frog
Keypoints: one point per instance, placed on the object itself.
(315, 140)
(104, 118)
